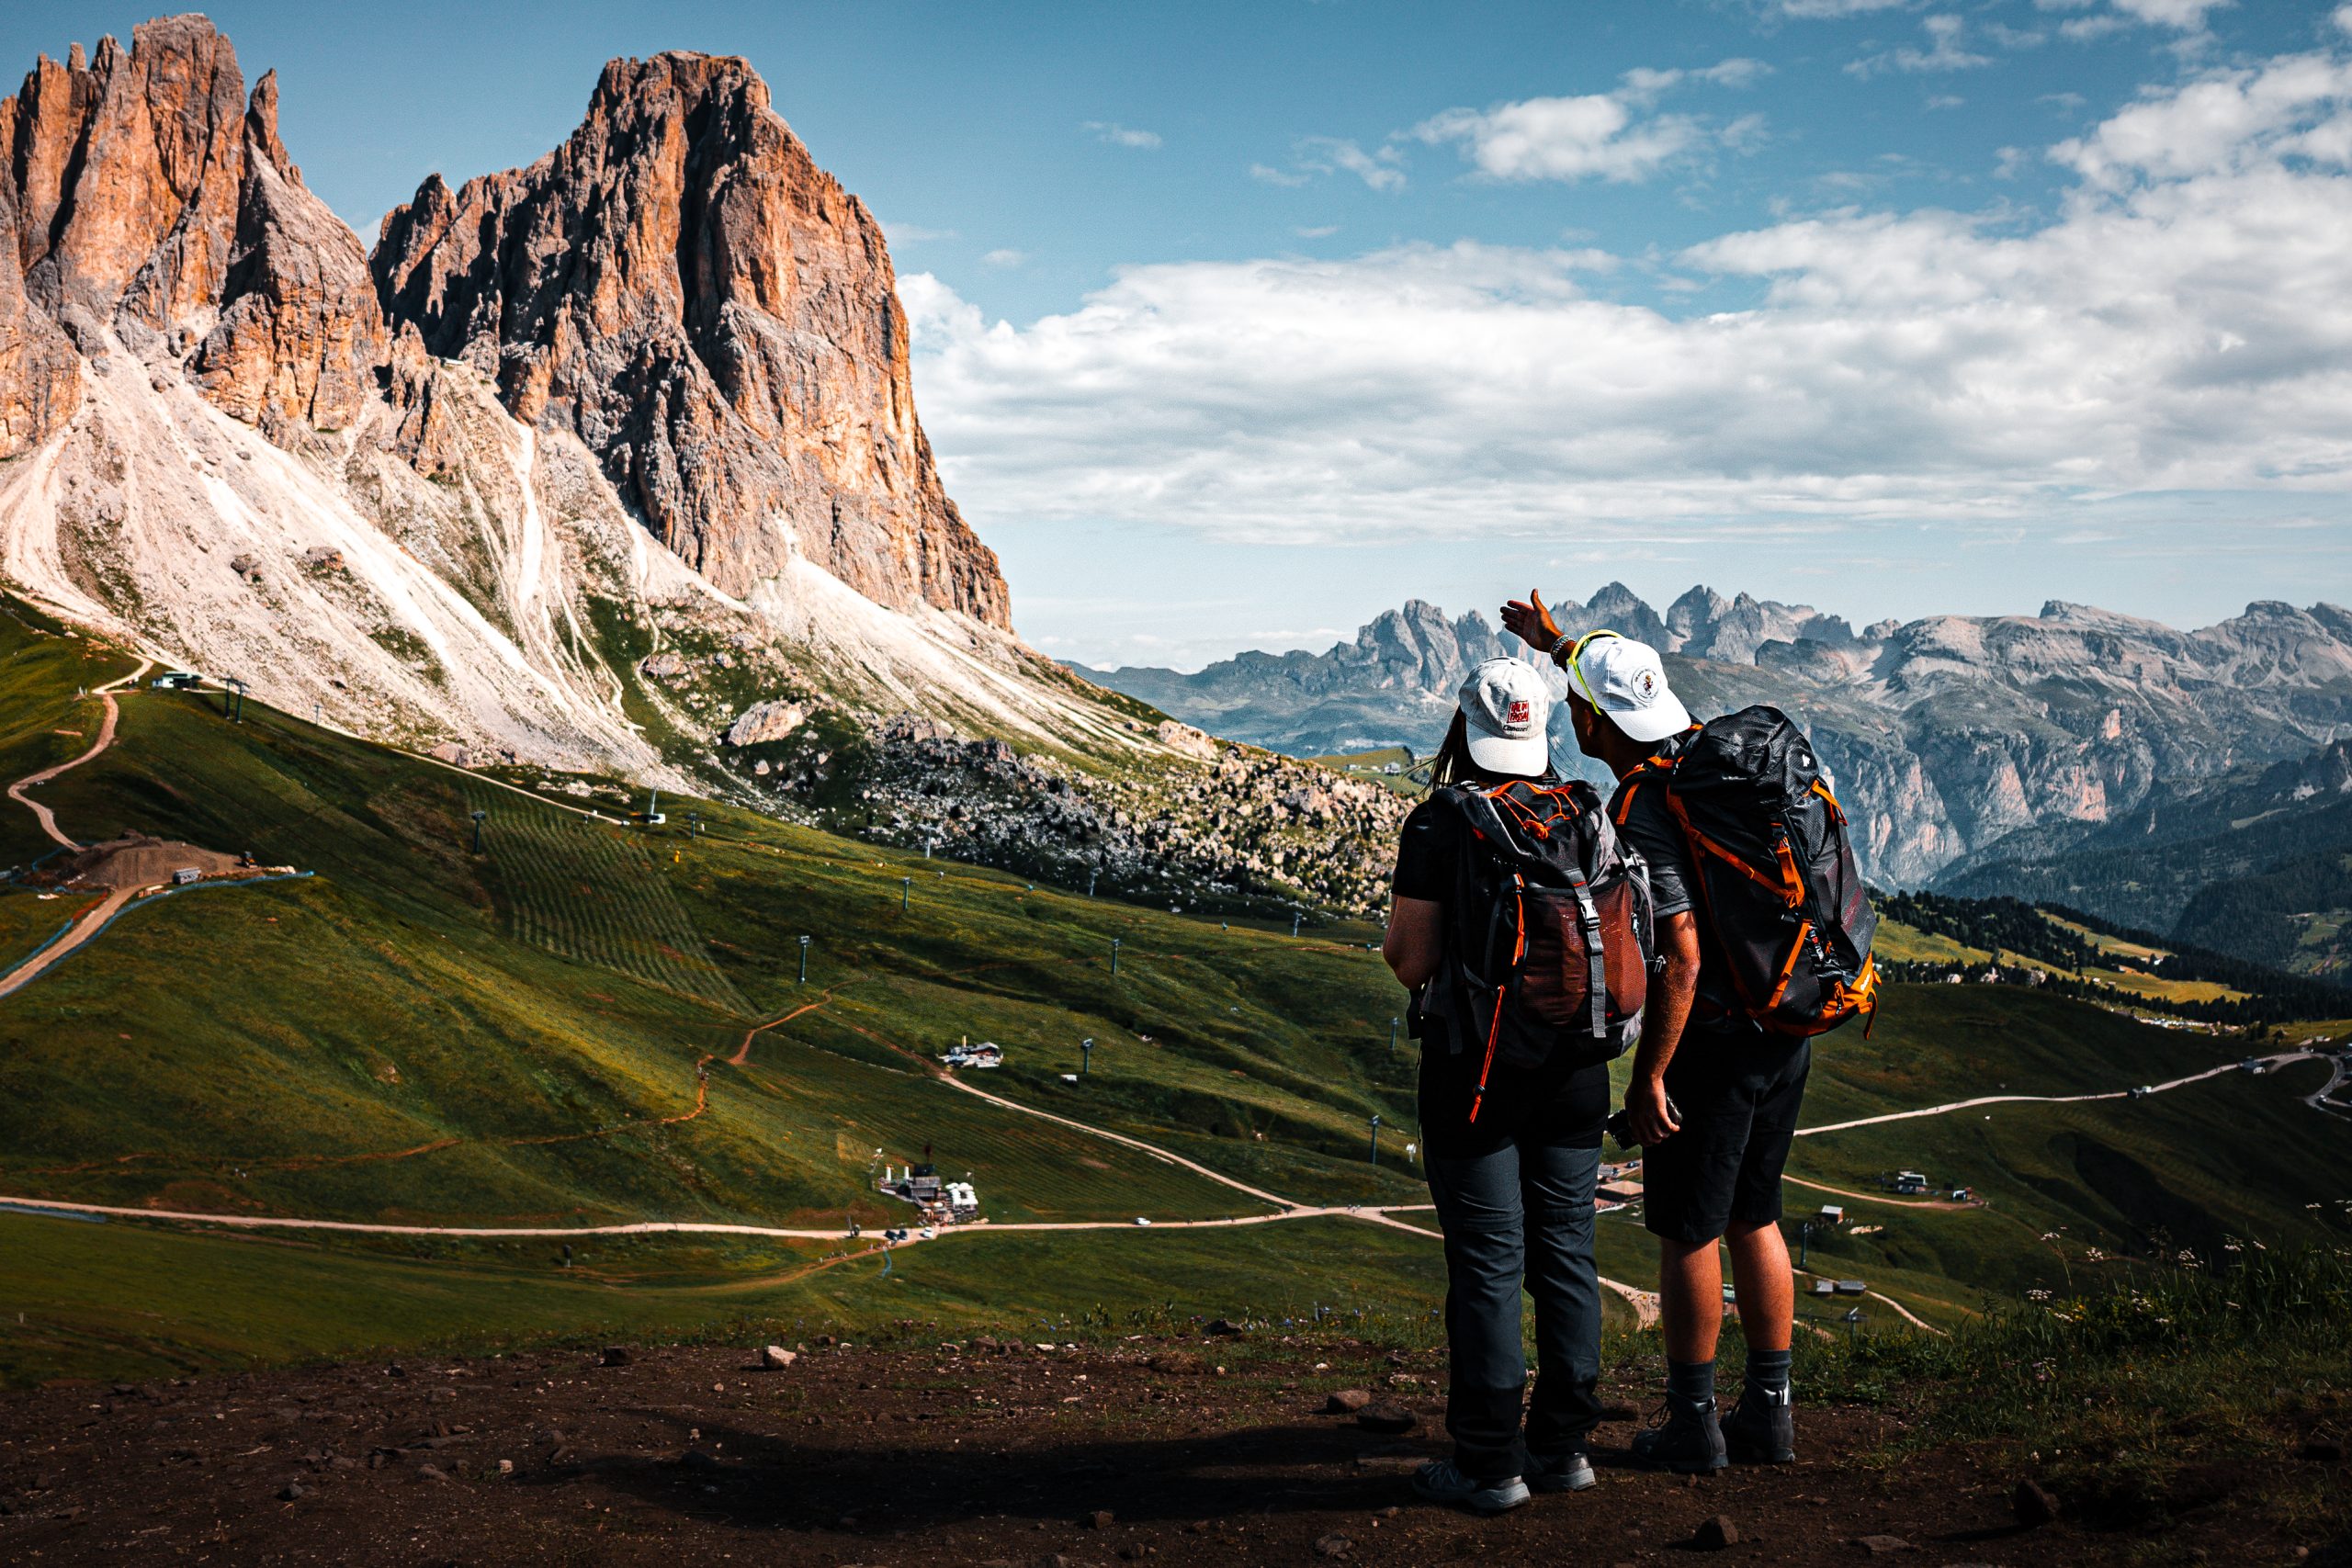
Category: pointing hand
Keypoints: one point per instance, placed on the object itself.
(1531, 623)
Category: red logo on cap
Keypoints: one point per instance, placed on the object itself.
(1519, 713)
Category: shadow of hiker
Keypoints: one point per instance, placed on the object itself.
(820, 1476)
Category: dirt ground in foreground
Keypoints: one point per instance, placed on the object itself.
(1015, 1456)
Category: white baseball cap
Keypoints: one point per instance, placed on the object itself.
(1505, 706)
(1626, 679)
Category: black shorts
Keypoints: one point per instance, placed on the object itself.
(1738, 1096)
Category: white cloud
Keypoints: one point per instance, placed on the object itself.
(1378, 170)
(2188, 15)
(913, 233)
(1313, 155)
(2221, 121)
(1120, 135)
(1816, 9)
(2344, 17)
(1943, 51)
(1316, 231)
(1594, 135)
(2182, 15)
(2182, 323)
(2084, 30)
(1004, 257)
(1944, 101)
(1564, 139)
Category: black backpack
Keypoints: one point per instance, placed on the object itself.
(1775, 875)
(1549, 941)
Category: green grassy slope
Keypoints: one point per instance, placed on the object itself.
(420, 1035)
(127, 1301)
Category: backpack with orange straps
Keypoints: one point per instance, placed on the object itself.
(1549, 944)
(1775, 875)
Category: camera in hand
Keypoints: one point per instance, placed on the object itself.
(1620, 1125)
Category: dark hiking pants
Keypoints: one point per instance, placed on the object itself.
(1522, 1212)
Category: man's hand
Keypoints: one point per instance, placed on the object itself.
(1531, 623)
(1647, 1112)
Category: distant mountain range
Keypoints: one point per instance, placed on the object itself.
(2257, 865)
(1948, 734)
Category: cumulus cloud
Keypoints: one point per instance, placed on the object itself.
(2227, 120)
(1605, 136)
(1120, 135)
(1004, 256)
(2182, 323)
(1816, 9)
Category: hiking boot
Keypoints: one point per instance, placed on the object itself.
(1761, 1429)
(1688, 1442)
(1559, 1472)
(1440, 1483)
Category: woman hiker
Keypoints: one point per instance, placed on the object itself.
(1511, 1164)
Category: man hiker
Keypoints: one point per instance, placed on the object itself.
(1713, 1097)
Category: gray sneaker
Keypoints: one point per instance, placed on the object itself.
(1440, 1483)
(1761, 1429)
(1559, 1472)
(1689, 1442)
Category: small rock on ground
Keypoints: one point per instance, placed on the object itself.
(1387, 1418)
(1716, 1534)
(2033, 1504)
(1881, 1545)
(1346, 1402)
(1333, 1545)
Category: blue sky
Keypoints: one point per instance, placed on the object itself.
(1238, 323)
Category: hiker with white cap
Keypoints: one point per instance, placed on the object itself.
(1522, 928)
(1763, 932)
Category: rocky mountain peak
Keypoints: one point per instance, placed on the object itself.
(146, 194)
(685, 289)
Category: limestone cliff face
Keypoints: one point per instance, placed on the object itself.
(682, 286)
(143, 190)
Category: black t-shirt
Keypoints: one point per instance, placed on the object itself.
(1561, 1101)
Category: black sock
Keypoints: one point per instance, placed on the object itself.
(1768, 1372)
(1690, 1384)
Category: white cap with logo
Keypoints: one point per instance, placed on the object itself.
(1626, 679)
(1505, 706)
